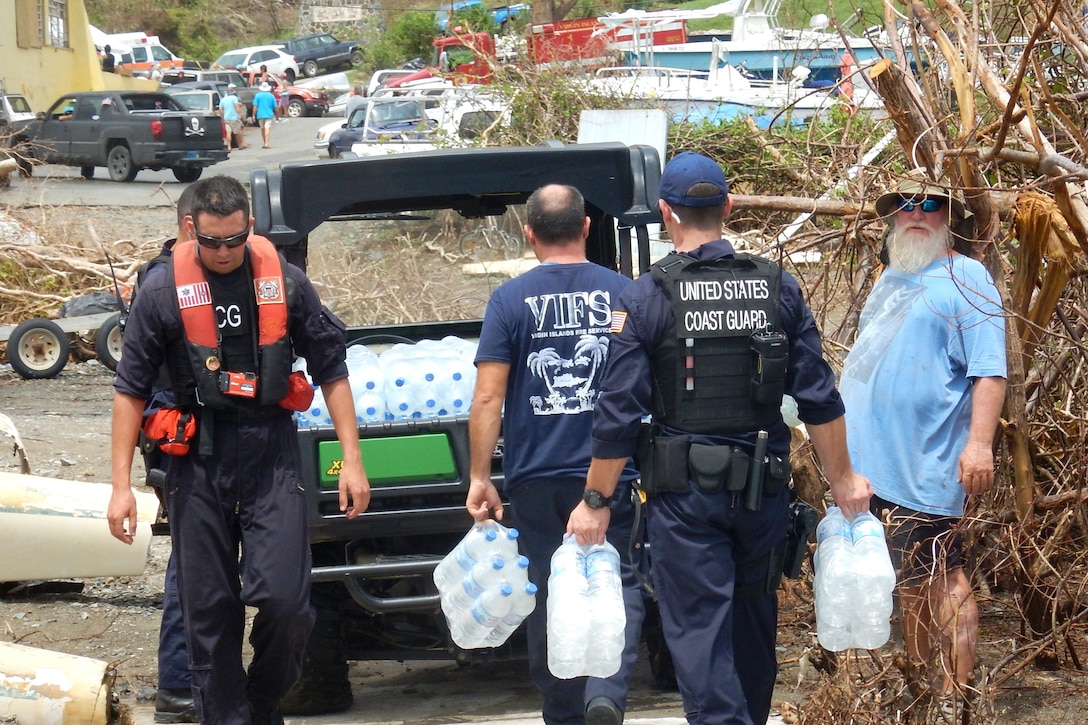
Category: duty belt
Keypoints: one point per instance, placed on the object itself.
(677, 465)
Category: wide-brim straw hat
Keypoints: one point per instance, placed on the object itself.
(920, 188)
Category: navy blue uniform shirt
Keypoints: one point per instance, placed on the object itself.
(626, 388)
(154, 330)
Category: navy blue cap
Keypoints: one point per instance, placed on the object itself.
(684, 171)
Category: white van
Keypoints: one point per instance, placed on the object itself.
(13, 107)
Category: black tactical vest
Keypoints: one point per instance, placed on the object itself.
(704, 367)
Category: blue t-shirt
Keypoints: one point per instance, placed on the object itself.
(228, 104)
(907, 380)
(264, 105)
(551, 326)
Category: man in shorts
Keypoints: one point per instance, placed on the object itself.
(264, 111)
(923, 386)
(233, 112)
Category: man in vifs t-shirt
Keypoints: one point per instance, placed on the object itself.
(543, 344)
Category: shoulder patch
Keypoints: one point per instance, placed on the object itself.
(268, 290)
(619, 319)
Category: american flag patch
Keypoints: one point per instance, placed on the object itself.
(618, 321)
(194, 295)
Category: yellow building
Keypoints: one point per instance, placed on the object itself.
(46, 51)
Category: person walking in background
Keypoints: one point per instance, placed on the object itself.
(546, 448)
(708, 342)
(108, 61)
(233, 112)
(283, 98)
(226, 319)
(355, 100)
(264, 112)
(924, 385)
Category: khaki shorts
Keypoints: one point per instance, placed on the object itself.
(235, 126)
(265, 122)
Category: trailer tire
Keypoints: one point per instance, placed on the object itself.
(107, 342)
(38, 348)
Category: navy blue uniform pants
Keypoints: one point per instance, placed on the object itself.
(238, 524)
(708, 554)
(173, 651)
(541, 509)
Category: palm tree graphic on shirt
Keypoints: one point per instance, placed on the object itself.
(570, 382)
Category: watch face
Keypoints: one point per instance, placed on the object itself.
(594, 499)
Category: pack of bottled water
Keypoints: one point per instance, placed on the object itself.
(854, 582)
(484, 586)
(586, 614)
(428, 379)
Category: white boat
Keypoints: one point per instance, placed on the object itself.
(722, 92)
(756, 44)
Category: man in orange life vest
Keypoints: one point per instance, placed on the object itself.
(226, 318)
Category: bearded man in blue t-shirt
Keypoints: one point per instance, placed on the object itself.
(542, 348)
(923, 388)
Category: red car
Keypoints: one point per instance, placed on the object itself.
(303, 101)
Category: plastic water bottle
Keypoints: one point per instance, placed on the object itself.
(568, 623)
(522, 604)
(472, 627)
(473, 547)
(875, 577)
(507, 542)
(834, 583)
(483, 575)
(607, 615)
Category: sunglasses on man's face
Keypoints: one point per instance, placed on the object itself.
(230, 242)
(928, 205)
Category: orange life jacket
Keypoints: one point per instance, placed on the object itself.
(195, 304)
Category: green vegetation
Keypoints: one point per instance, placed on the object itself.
(854, 15)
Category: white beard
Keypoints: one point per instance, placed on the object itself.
(911, 251)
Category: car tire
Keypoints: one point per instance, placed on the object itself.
(296, 108)
(334, 153)
(187, 174)
(87, 172)
(107, 342)
(119, 163)
(357, 57)
(309, 68)
(291, 75)
(38, 349)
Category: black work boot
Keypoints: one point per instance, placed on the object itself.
(322, 689)
(173, 706)
(602, 711)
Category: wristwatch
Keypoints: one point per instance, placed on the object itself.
(595, 499)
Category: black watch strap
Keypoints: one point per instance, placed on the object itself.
(595, 499)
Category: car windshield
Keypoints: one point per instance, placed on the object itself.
(231, 60)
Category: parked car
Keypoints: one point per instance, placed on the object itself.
(321, 52)
(383, 120)
(13, 108)
(244, 93)
(252, 58)
(303, 101)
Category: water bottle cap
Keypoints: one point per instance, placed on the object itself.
(530, 588)
(491, 534)
(506, 590)
(399, 382)
(497, 562)
(457, 376)
(523, 562)
(512, 534)
(369, 384)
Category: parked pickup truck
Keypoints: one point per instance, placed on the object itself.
(380, 564)
(123, 131)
